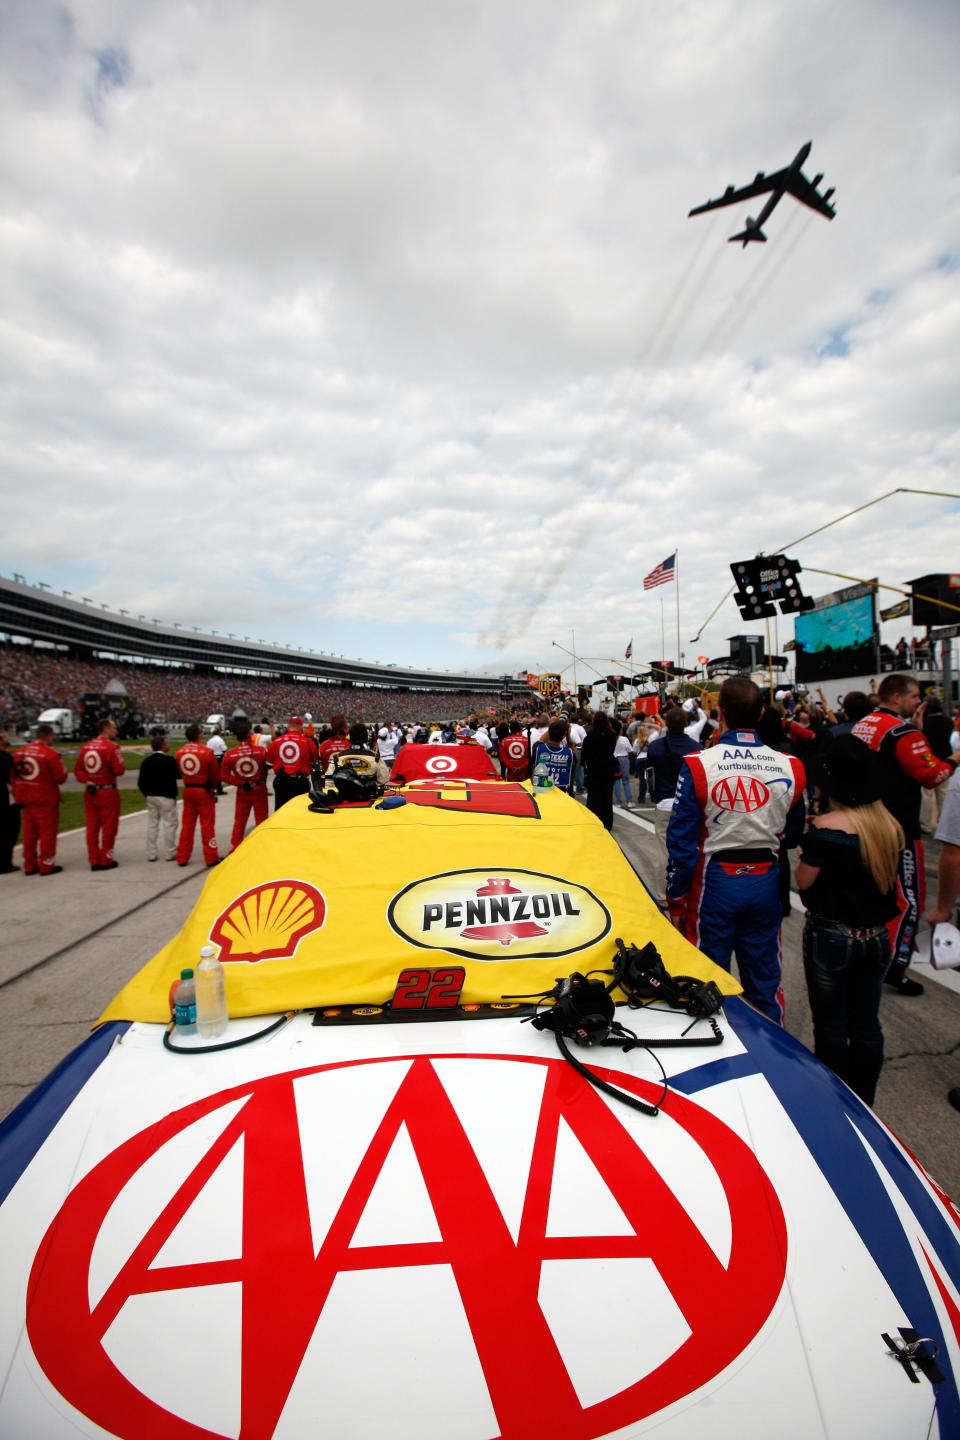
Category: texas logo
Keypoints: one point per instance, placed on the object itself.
(483, 913)
(358, 1248)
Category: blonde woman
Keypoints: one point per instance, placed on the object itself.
(847, 876)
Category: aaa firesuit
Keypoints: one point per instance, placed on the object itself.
(734, 802)
(38, 773)
(907, 764)
(199, 771)
(291, 756)
(246, 767)
(97, 766)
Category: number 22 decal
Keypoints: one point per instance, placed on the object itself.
(428, 989)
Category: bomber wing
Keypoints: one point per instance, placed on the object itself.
(801, 189)
(761, 185)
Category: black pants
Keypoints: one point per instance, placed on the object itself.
(9, 833)
(286, 786)
(600, 799)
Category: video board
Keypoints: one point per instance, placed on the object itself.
(838, 637)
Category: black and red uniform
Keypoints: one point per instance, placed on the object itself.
(332, 747)
(200, 774)
(97, 766)
(291, 756)
(38, 772)
(907, 764)
(246, 767)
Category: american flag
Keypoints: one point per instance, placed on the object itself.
(662, 575)
(629, 649)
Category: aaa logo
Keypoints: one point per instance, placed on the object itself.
(306, 1224)
(740, 793)
(269, 921)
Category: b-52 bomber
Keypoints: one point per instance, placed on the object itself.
(789, 181)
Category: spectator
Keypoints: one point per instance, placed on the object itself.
(906, 765)
(556, 753)
(601, 768)
(38, 773)
(157, 780)
(9, 810)
(847, 875)
(665, 758)
(937, 729)
(97, 767)
(948, 875)
(623, 751)
(198, 767)
(735, 802)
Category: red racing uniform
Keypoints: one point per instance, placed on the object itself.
(515, 757)
(97, 767)
(332, 747)
(291, 756)
(907, 764)
(200, 773)
(246, 767)
(38, 772)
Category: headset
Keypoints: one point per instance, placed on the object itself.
(581, 1008)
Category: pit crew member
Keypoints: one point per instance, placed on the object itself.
(97, 767)
(38, 772)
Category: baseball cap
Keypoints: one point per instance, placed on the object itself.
(295, 720)
(849, 772)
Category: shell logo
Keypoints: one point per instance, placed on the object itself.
(268, 921)
(490, 914)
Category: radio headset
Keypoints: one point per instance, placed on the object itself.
(581, 1008)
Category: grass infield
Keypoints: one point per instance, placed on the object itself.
(72, 816)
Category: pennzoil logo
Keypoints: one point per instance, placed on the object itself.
(490, 914)
(268, 921)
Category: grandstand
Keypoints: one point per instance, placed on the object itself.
(56, 648)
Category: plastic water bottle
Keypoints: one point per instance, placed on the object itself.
(185, 1004)
(211, 995)
(541, 777)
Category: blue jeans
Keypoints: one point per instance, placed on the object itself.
(621, 786)
(844, 983)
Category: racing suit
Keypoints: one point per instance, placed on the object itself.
(38, 772)
(246, 767)
(906, 764)
(734, 802)
(97, 767)
(199, 771)
(291, 756)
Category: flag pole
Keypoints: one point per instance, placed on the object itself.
(663, 643)
(676, 576)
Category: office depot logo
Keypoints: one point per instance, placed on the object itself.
(487, 914)
(295, 1231)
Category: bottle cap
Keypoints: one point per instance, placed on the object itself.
(186, 974)
(207, 952)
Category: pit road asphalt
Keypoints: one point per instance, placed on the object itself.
(71, 941)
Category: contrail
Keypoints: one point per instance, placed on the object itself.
(730, 321)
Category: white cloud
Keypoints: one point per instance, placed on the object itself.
(336, 320)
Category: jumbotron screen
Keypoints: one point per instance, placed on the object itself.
(837, 640)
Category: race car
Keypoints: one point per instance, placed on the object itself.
(488, 1149)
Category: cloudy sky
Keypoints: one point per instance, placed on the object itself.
(381, 328)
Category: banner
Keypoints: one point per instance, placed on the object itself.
(503, 888)
(893, 612)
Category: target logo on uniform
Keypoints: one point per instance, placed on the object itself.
(93, 762)
(189, 763)
(289, 752)
(304, 1225)
(514, 749)
(246, 767)
(441, 765)
(26, 767)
